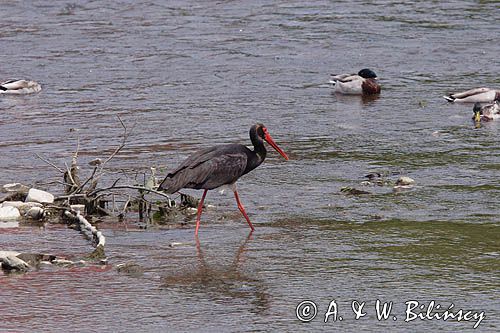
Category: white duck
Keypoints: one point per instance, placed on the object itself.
(481, 95)
(19, 87)
(363, 83)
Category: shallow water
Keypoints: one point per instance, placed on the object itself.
(191, 75)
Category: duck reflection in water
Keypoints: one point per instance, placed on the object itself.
(361, 99)
(226, 283)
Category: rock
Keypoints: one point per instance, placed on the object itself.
(12, 196)
(353, 191)
(34, 259)
(35, 213)
(15, 187)
(130, 268)
(78, 208)
(9, 213)
(23, 207)
(13, 263)
(404, 181)
(16, 204)
(95, 162)
(39, 196)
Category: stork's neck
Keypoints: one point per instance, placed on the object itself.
(258, 154)
(258, 146)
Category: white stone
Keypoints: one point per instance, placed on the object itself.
(403, 181)
(16, 204)
(14, 263)
(9, 213)
(23, 207)
(39, 196)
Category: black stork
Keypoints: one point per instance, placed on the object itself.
(214, 167)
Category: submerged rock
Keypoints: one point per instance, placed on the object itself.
(9, 213)
(353, 191)
(34, 259)
(39, 196)
(130, 268)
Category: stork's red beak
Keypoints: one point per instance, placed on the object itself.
(273, 144)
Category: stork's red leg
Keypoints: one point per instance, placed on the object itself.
(242, 210)
(198, 215)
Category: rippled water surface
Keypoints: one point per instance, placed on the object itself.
(194, 74)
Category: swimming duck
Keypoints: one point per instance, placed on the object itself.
(363, 83)
(486, 112)
(481, 95)
(19, 87)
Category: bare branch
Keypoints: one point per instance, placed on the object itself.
(140, 188)
(126, 134)
(79, 190)
(50, 163)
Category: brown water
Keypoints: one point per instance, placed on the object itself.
(193, 74)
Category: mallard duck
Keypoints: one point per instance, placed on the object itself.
(19, 87)
(481, 95)
(486, 112)
(363, 83)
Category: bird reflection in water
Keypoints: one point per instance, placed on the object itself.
(361, 99)
(226, 283)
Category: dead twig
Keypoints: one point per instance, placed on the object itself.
(126, 134)
(133, 187)
(49, 163)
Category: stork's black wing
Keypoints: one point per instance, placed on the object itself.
(208, 169)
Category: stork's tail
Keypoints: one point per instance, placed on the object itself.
(172, 183)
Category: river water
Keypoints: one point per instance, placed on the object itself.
(191, 74)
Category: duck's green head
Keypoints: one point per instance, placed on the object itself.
(367, 73)
(477, 112)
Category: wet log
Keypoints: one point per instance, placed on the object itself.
(85, 225)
